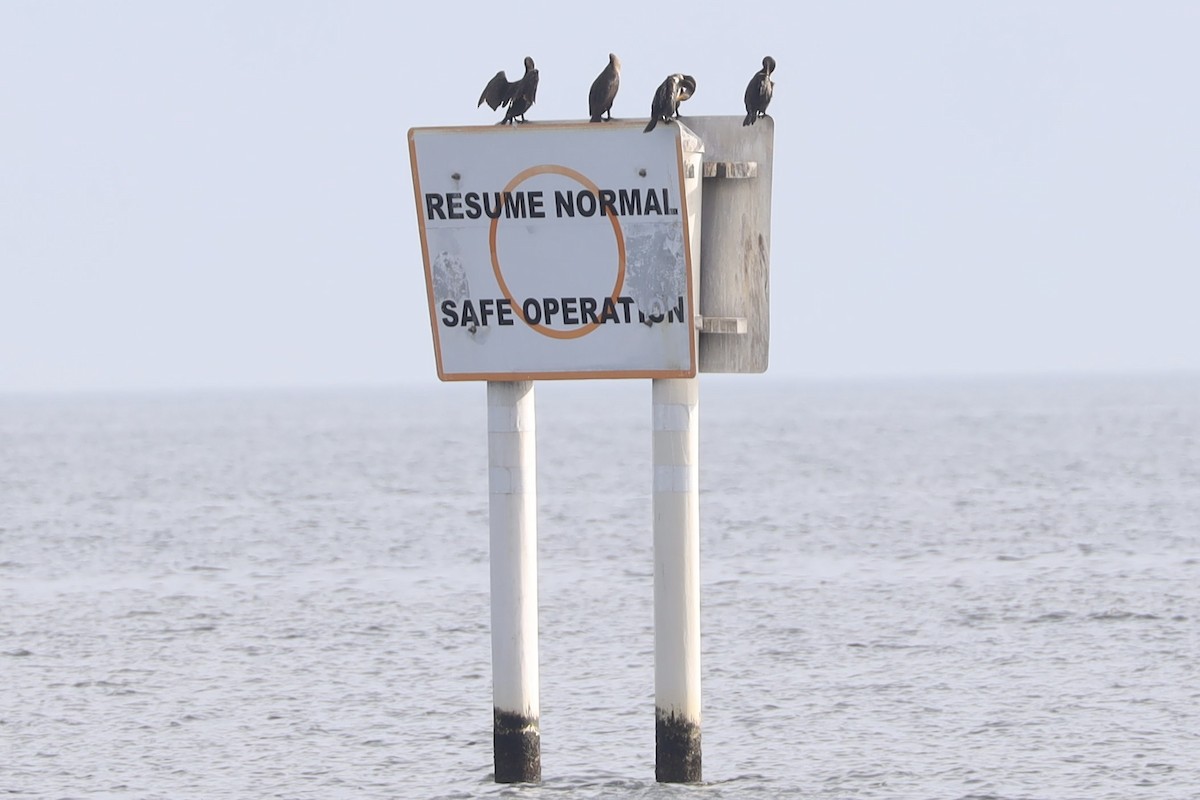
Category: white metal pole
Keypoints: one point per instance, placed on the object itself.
(512, 507)
(676, 407)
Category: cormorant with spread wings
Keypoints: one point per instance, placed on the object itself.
(518, 95)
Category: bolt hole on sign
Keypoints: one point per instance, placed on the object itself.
(555, 251)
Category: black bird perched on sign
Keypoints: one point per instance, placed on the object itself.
(758, 92)
(518, 96)
(665, 105)
(604, 89)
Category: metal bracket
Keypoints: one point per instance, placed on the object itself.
(731, 169)
(722, 324)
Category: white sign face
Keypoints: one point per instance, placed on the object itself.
(555, 251)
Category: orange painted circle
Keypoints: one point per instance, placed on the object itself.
(518, 179)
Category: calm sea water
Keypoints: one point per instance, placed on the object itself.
(945, 590)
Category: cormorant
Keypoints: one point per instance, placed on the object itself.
(758, 92)
(604, 89)
(666, 101)
(518, 96)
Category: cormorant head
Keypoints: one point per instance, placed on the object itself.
(687, 87)
(528, 63)
(768, 65)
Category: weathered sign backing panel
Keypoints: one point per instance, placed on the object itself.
(735, 234)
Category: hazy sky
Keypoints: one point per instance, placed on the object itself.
(205, 194)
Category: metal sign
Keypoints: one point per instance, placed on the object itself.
(556, 251)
